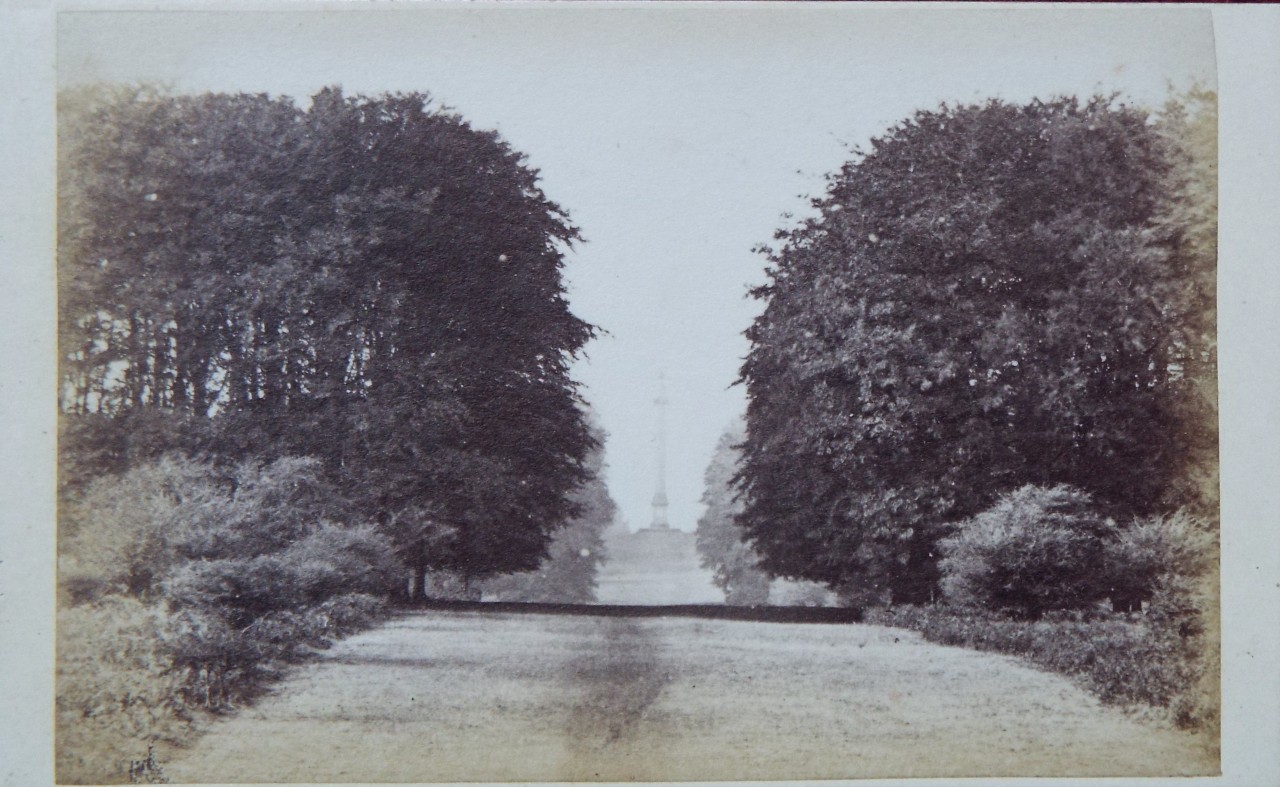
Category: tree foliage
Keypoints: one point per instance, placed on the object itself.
(568, 573)
(991, 296)
(1187, 224)
(1037, 549)
(368, 281)
(1165, 557)
(720, 541)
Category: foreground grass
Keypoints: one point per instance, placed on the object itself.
(483, 697)
(1130, 662)
(120, 693)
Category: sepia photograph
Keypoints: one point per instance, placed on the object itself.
(614, 392)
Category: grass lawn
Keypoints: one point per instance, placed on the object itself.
(471, 696)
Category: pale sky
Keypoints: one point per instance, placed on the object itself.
(677, 137)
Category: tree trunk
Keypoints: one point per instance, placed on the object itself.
(418, 578)
(1130, 601)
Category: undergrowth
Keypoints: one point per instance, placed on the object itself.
(1130, 660)
(131, 675)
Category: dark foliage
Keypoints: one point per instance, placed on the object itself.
(568, 574)
(989, 297)
(367, 281)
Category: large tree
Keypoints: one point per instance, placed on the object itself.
(984, 300)
(369, 281)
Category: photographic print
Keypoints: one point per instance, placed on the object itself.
(636, 392)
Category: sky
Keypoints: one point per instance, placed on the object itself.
(678, 137)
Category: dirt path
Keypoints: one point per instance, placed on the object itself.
(469, 697)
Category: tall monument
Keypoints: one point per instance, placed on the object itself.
(657, 564)
(660, 492)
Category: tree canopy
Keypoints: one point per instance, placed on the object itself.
(368, 281)
(992, 295)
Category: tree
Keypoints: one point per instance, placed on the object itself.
(369, 282)
(983, 301)
(568, 574)
(1187, 223)
(721, 543)
(1037, 549)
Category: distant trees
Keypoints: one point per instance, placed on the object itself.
(369, 282)
(992, 296)
(568, 574)
(720, 541)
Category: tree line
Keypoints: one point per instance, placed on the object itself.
(368, 282)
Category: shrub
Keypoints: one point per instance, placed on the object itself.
(214, 660)
(272, 506)
(1161, 555)
(116, 692)
(121, 533)
(1037, 549)
(221, 664)
(1172, 563)
(335, 560)
(238, 616)
(350, 612)
(241, 589)
(181, 594)
(331, 561)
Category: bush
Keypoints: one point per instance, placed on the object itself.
(1161, 555)
(272, 506)
(331, 561)
(218, 664)
(237, 617)
(121, 534)
(1172, 561)
(335, 560)
(1037, 549)
(350, 612)
(180, 593)
(1161, 570)
(221, 664)
(129, 674)
(116, 689)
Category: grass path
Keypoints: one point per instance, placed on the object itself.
(471, 697)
